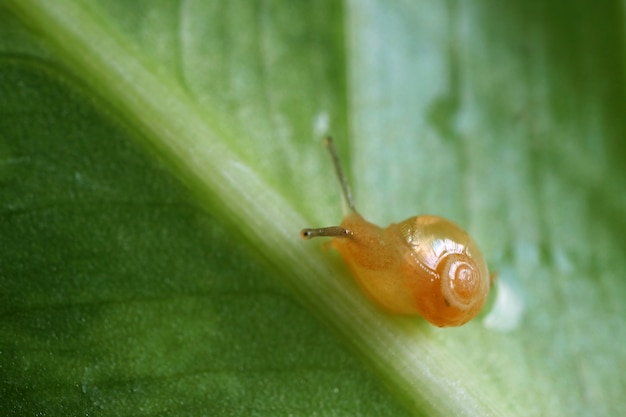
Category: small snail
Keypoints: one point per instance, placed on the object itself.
(425, 265)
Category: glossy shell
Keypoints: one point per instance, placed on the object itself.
(425, 265)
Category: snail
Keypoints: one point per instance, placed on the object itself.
(425, 265)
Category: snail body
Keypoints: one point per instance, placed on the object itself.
(425, 265)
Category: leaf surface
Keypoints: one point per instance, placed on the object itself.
(158, 159)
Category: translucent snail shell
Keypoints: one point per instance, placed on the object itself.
(425, 265)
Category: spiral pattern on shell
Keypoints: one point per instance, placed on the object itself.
(460, 280)
(449, 272)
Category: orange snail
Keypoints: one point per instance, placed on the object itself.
(425, 265)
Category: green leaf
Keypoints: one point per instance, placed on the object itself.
(158, 159)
